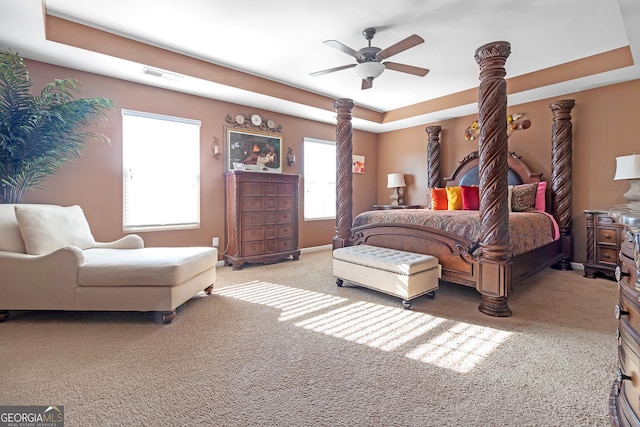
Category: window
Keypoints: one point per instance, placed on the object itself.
(161, 172)
(319, 179)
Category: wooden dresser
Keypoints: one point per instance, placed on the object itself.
(604, 236)
(624, 400)
(262, 217)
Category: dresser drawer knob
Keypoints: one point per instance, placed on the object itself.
(621, 376)
(607, 256)
(620, 274)
(620, 312)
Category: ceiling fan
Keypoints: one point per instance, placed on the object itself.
(369, 59)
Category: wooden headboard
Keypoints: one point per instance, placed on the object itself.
(467, 172)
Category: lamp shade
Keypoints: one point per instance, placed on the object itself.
(628, 167)
(369, 69)
(395, 180)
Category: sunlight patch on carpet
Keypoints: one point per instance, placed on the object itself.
(419, 336)
(292, 301)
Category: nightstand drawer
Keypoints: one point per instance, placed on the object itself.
(607, 256)
(608, 235)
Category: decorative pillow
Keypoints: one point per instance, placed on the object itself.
(470, 197)
(454, 197)
(11, 239)
(509, 197)
(46, 228)
(523, 197)
(541, 198)
(439, 200)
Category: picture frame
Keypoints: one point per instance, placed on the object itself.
(250, 150)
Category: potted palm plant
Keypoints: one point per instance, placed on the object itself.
(39, 134)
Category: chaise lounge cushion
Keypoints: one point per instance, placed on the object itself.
(47, 228)
(144, 267)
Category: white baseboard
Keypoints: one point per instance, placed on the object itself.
(316, 248)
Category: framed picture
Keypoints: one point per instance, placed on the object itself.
(357, 164)
(253, 150)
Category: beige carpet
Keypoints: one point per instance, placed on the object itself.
(281, 345)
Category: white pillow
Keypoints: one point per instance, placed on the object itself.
(48, 228)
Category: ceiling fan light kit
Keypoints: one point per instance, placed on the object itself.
(369, 59)
(368, 70)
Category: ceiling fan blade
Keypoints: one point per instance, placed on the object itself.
(402, 45)
(331, 70)
(342, 48)
(367, 83)
(403, 68)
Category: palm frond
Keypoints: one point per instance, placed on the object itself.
(39, 134)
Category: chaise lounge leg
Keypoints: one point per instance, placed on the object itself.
(4, 315)
(167, 316)
(208, 289)
(494, 306)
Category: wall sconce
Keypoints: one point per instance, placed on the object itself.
(396, 181)
(628, 167)
(291, 158)
(216, 149)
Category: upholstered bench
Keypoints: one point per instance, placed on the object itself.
(403, 274)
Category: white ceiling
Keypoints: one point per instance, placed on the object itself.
(281, 40)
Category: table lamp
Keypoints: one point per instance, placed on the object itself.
(628, 167)
(395, 181)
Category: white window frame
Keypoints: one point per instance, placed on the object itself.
(168, 167)
(319, 182)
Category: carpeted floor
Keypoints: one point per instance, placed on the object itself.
(282, 345)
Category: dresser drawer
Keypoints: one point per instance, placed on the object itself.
(630, 365)
(252, 218)
(250, 234)
(285, 189)
(285, 231)
(630, 309)
(270, 232)
(252, 248)
(270, 203)
(285, 203)
(285, 217)
(252, 203)
(608, 235)
(285, 244)
(252, 189)
(270, 188)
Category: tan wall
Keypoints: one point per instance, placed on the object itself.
(604, 127)
(94, 181)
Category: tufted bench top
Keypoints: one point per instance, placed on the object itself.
(391, 260)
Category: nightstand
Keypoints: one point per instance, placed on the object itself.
(386, 207)
(604, 237)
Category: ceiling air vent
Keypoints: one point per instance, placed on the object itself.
(160, 73)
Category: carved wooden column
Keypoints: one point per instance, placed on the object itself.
(433, 156)
(494, 266)
(561, 163)
(344, 149)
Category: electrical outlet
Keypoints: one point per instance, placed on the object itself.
(215, 242)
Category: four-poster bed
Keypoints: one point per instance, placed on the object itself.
(487, 261)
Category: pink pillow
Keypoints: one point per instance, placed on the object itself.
(470, 198)
(541, 201)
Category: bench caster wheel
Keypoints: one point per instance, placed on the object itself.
(406, 304)
(339, 282)
(431, 295)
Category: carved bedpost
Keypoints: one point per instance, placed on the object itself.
(494, 266)
(433, 156)
(344, 149)
(561, 152)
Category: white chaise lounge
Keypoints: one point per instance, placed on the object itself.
(49, 260)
